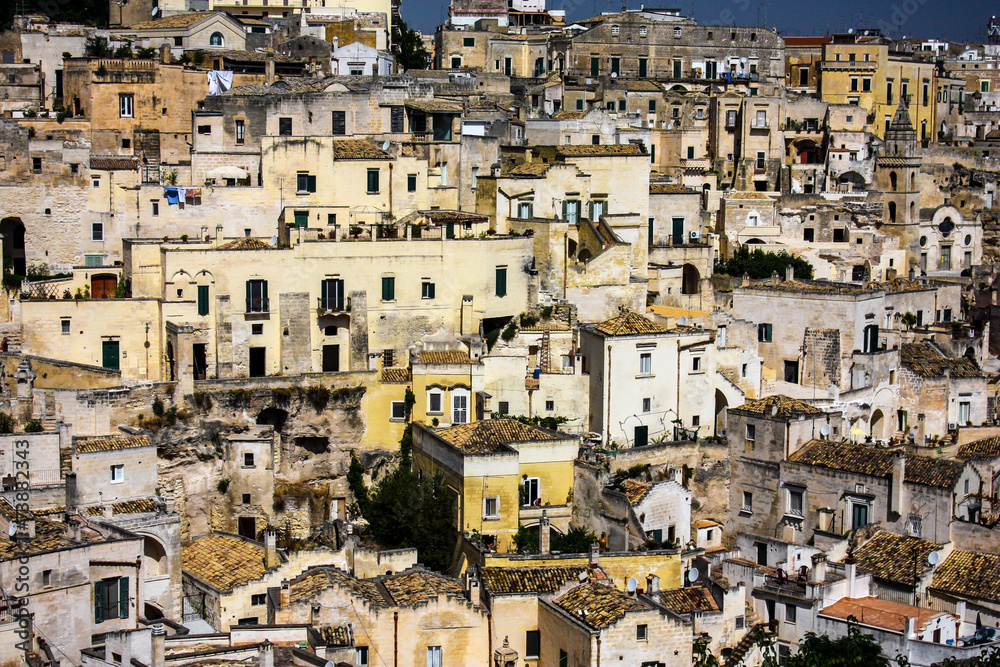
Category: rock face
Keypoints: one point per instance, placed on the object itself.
(313, 430)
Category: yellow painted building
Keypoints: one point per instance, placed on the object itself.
(503, 474)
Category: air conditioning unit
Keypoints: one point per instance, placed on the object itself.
(952, 426)
(694, 235)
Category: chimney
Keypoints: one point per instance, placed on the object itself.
(819, 567)
(789, 272)
(911, 626)
(159, 640)
(218, 236)
(851, 570)
(271, 547)
(774, 278)
(544, 534)
(165, 56)
(265, 654)
(269, 77)
(595, 554)
(107, 510)
(653, 586)
(746, 280)
(26, 528)
(71, 494)
(472, 585)
(918, 439)
(898, 477)
(283, 597)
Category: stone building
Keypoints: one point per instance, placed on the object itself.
(192, 31)
(944, 393)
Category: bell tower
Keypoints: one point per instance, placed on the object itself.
(896, 172)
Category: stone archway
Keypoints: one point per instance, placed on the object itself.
(154, 557)
(877, 425)
(13, 245)
(690, 279)
(721, 411)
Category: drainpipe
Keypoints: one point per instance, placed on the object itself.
(677, 406)
(390, 188)
(598, 650)
(565, 259)
(395, 639)
(607, 418)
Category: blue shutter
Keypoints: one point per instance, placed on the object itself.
(123, 597)
(99, 602)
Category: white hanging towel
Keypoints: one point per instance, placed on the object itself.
(219, 81)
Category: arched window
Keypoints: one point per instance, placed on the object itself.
(893, 180)
(892, 211)
(216, 39)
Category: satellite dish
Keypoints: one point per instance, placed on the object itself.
(329, 663)
(933, 558)
(631, 584)
(682, 320)
(385, 145)
(743, 59)
(582, 577)
(693, 575)
(824, 430)
(614, 75)
(154, 11)
(12, 530)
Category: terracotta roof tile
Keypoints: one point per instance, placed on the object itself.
(336, 635)
(747, 195)
(780, 406)
(415, 586)
(529, 169)
(316, 579)
(513, 580)
(246, 243)
(600, 150)
(628, 324)
(635, 490)
(687, 600)
(247, 56)
(438, 216)
(141, 506)
(492, 435)
(980, 450)
(941, 473)
(892, 557)
(108, 443)
(806, 287)
(444, 357)
(358, 149)
(970, 574)
(569, 115)
(927, 361)
(880, 613)
(114, 163)
(175, 21)
(223, 561)
(670, 189)
(436, 106)
(598, 605)
(394, 375)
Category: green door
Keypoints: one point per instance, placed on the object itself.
(595, 67)
(109, 354)
(677, 69)
(678, 231)
(641, 436)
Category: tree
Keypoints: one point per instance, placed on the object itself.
(759, 264)
(97, 47)
(854, 650)
(575, 541)
(412, 52)
(356, 482)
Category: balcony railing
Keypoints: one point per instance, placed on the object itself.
(258, 305)
(326, 306)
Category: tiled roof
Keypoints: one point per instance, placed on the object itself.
(439, 216)
(670, 311)
(628, 324)
(223, 561)
(670, 189)
(807, 287)
(894, 161)
(529, 169)
(512, 580)
(436, 106)
(246, 243)
(979, 450)
(108, 443)
(248, 56)
(49, 536)
(600, 150)
(317, 579)
(142, 506)
(894, 557)
(971, 574)
(358, 149)
(926, 360)
(569, 115)
(941, 473)
(175, 21)
(642, 86)
(491, 435)
(880, 613)
(444, 357)
(248, 21)
(635, 490)
(687, 600)
(394, 375)
(705, 523)
(336, 635)
(747, 194)
(114, 163)
(598, 605)
(413, 587)
(785, 405)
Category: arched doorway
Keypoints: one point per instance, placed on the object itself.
(170, 361)
(154, 557)
(892, 211)
(13, 245)
(877, 424)
(275, 417)
(690, 279)
(721, 411)
(893, 181)
(102, 285)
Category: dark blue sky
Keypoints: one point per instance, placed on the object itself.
(951, 20)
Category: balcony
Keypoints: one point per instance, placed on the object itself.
(258, 306)
(325, 306)
(847, 65)
(758, 124)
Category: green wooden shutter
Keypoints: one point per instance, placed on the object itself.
(430, 291)
(249, 298)
(311, 186)
(564, 210)
(263, 296)
(339, 285)
(203, 299)
(501, 282)
(123, 597)
(388, 289)
(99, 602)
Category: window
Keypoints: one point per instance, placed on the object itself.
(491, 507)
(641, 632)
(361, 656)
(257, 296)
(426, 290)
(46, 577)
(154, 208)
(647, 404)
(126, 105)
(550, 405)
(751, 432)
(97, 231)
(501, 281)
(859, 515)
(178, 41)
(677, 32)
(388, 288)
(643, 67)
(434, 402)
(398, 412)
(468, 41)
(645, 363)
(503, 408)
(204, 129)
(434, 656)
(460, 409)
(854, 84)
(338, 125)
(747, 501)
(532, 644)
(256, 329)
(790, 613)
(761, 157)
(616, 66)
(305, 182)
(525, 210)
(614, 30)
(111, 598)
(411, 182)
(64, 324)
(761, 119)
(808, 234)
(373, 181)
(246, 499)
(695, 364)
(203, 299)
(248, 459)
(532, 491)
(284, 127)
(595, 70)
(795, 500)
(866, 85)
(571, 210)
(963, 412)
(117, 473)
(563, 658)
(241, 132)
(840, 235)
(97, 179)
(731, 118)
(765, 332)
(456, 61)
(36, 166)
(93, 260)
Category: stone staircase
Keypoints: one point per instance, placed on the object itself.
(747, 642)
(12, 332)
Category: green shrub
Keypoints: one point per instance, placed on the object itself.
(318, 396)
(201, 401)
(223, 485)
(509, 331)
(34, 426)
(6, 423)
(158, 407)
(281, 395)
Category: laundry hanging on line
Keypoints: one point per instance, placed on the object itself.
(219, 81)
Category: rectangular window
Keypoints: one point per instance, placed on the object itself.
(154, 208)
(396, 119)
(411, 182)
(398, 411)
(301, 218)
(501, 281)
(126, 105)
(563, 658)
(761, 157)
(204, 129)
(434, 402)
(373, 181)
(647, 404)
(338, 125)
(258, 599)
(645, 363)
(97, 231)
(93, 260)
(571, 211)
(257, 329)
(459, 409)
(595, 68)
(332, 294)
(257, 296)
(203, 299)
(241, 132)
(503, 408)
(525, 210)
(64, 324)
(854, 84)
(468, 41)
(388, 288)
(791, 612)
(964, 409)
(795, 501)
(695, 364)
(731, 118)
(361, 656)
(751, 432)
(248, 459)
(761, 119)
(579, 106)
(765, 332)
(616, 65)
(305, 182)
(117, 473)
(284, 127)
(641, 632)
(491, 507)
(456, 61)
(111, 599)
(434, 656)
(550, 405)
(532, 644)
(426, 290)
(642, 64)
(747, 501)
(866, 85)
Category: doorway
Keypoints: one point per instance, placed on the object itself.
(331, 358)
(109, 355)
(199, 359)
(247, 527)
(258, 362)
(102, 286)
(641, 438)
